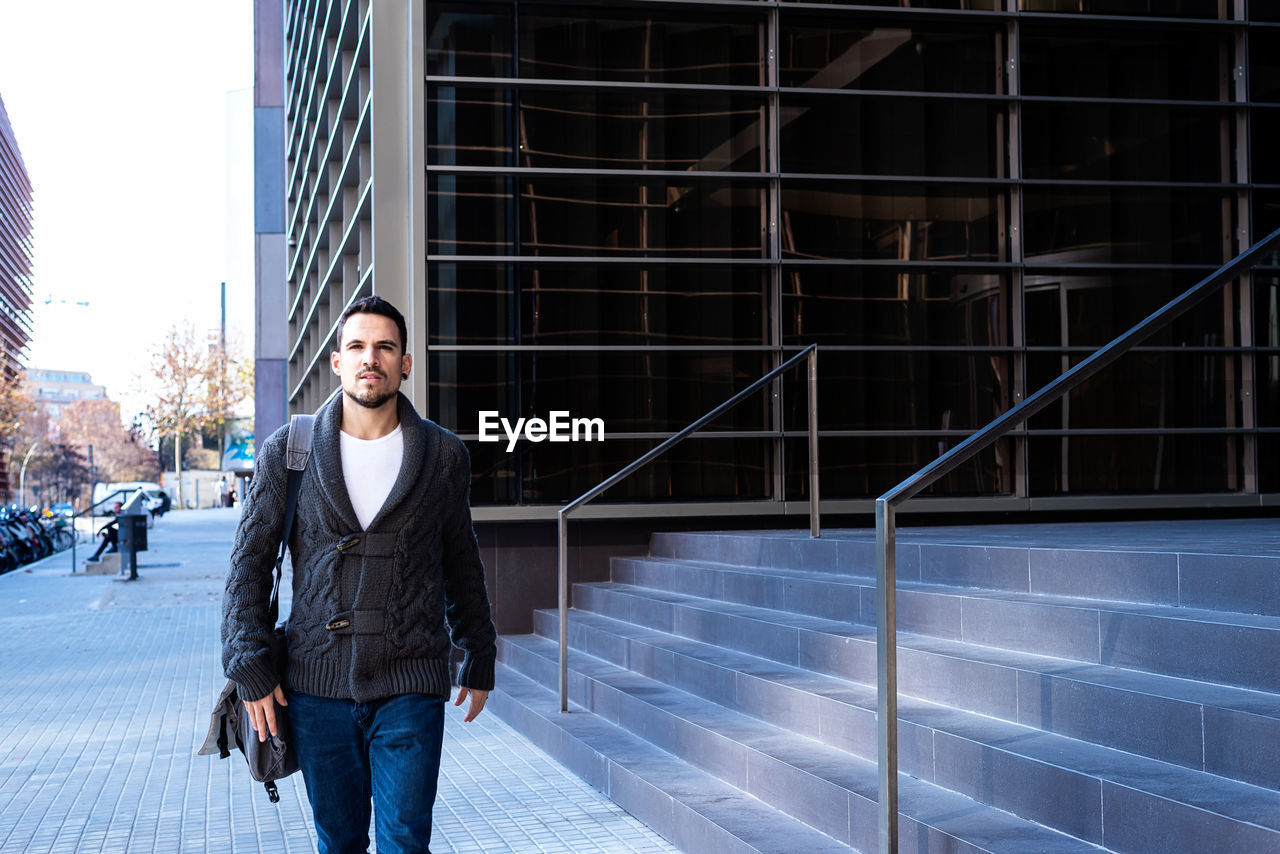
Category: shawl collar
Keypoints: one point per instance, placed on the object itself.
(418, 468)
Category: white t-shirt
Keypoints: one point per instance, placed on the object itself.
(370, 467)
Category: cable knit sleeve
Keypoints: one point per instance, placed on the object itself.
(466, 599)
(246, 625)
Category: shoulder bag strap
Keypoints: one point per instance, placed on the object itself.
(297, 453)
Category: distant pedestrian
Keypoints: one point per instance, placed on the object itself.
(110, 534)
(220, 488)
(383, 547)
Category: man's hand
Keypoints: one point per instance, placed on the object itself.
(478, 699)
(262, 712)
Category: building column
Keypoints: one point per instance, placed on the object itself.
(398, 84)
(271, 338)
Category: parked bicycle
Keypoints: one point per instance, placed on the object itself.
(27, 534)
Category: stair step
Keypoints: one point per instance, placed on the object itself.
(1223, 730)
(1227, 648)
(941, 745)
(1157, 568)
(688, 807)
(821, 785)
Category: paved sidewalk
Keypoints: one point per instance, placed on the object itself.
(107, 692)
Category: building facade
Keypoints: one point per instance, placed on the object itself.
(631, 210)
(54, 390)
(15, 262)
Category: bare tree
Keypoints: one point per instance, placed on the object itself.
(21, 422)
(230, 383)
(61, 470)
(119, 452)
(181, 369)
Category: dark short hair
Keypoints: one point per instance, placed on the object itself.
(373, 305)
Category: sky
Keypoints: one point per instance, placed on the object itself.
(134, 119)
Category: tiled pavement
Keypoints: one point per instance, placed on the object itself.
(106, 694)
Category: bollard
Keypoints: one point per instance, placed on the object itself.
(132, 534)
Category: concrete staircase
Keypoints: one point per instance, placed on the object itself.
(1054, 698)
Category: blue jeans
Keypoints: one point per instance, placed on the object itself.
(387, 752)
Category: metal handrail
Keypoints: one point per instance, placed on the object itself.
(562, 549)
(886, 506)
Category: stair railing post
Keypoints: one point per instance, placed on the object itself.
(887, 674)
(562, 552)
(814, 523)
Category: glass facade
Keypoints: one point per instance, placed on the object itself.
(633, 211)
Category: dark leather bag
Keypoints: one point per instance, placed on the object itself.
(230, 723)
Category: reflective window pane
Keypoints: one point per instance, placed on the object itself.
(494, 473)
(465, 40)
(461, 385)
(1264, 71)
(881, 306)
(1269, 462)
(1123, 63)
(890, 221)
(1143, 390)
(472, 303)
(694, 470)
(1266, 212)
(668, 304)
(598, 129)
(645, 391)
(633, 392)
(1266, 314)
(982, 5)
(469, 215)
(1088, 308)
(897, 55)
(1266, 308)
(1264, 130)
(602, 129)
(666, 46)
(1133, 142)
(607, 304)
(561, 216)
(605, 216)
(1135, 8)
(468, 126)
(1125, 225)
(888, 390)
(889, 136)
(1268, 389)
(857, 467)
(1134, 464)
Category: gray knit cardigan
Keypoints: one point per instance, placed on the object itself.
(373, 610)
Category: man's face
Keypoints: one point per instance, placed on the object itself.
(369, 359)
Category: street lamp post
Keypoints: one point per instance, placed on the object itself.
(22, 476)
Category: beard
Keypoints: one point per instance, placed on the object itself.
(369, 398)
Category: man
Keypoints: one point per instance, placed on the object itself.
(110, 534)
(385, 571)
